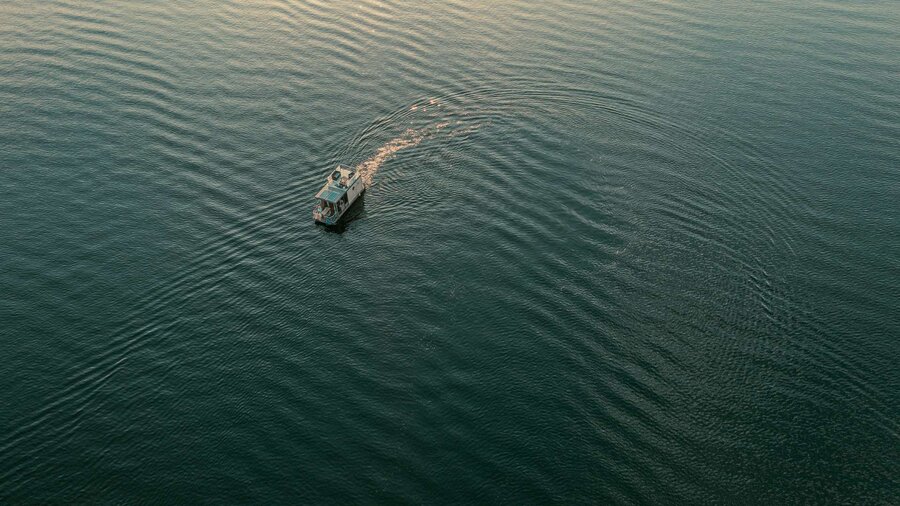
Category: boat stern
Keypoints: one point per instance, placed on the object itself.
(325, 216)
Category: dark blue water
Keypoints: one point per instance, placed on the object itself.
(613, 251)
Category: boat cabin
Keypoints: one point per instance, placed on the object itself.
(341, 189)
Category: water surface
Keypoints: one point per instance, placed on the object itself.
(612, 251)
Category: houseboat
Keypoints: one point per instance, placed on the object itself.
(341, 190)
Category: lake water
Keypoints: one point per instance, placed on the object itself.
(613, 251)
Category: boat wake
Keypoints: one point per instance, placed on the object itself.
(407, 139)
(449, 123)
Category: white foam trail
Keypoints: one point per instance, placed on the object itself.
(409, 138)
(368, 168)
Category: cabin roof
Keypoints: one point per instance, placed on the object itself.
(334, 189)
(331, 193)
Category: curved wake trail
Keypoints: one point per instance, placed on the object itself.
(412, 137)
(407, 139)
